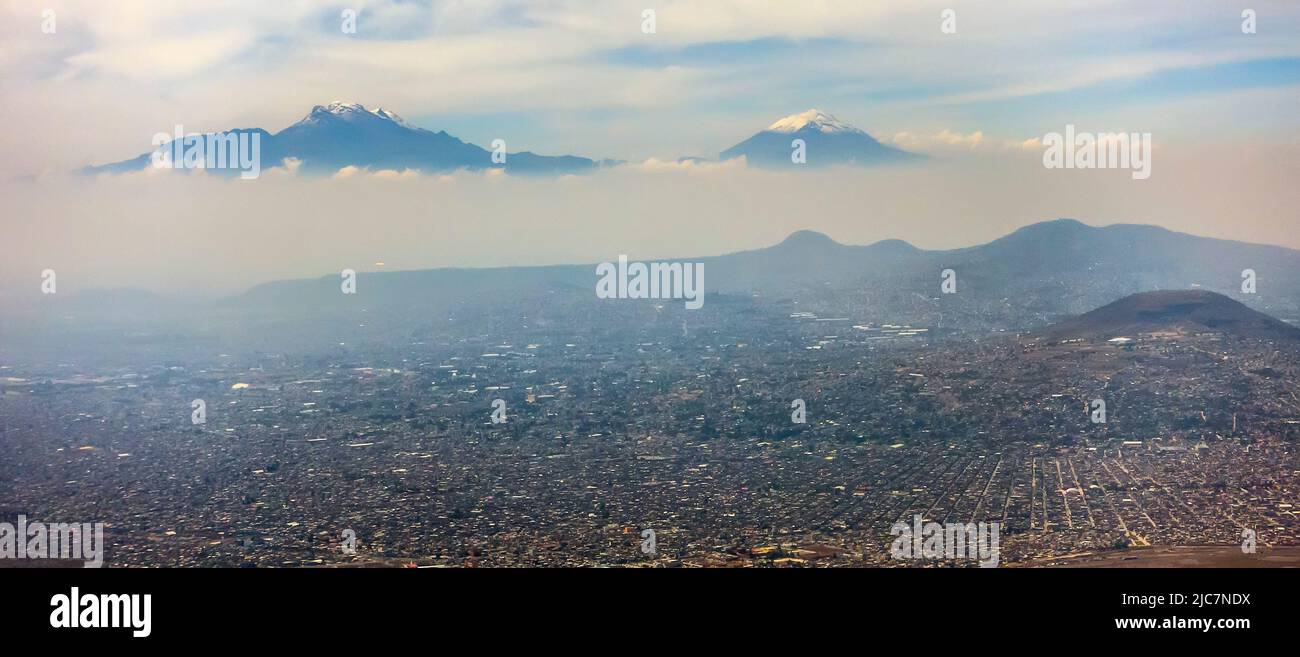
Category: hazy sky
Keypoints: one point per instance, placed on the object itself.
(582, 78)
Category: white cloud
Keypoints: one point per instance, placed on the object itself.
(686, 165)
(116, 72)
(1033, 144)
(162, 58)
(173, 232)
(944, 139)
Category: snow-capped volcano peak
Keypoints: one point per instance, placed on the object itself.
(343, 107)
(347, 134)
(814, 119)
(351, 111)
(826, 141)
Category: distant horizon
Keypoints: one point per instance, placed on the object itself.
(681, 284)
(597, 81)
(386, 111)
(696, 256)
(1196, 106)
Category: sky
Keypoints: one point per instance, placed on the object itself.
(585, 78)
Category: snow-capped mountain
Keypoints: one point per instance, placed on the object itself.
(343, 134)
(812, 119)
(827, 140)
(347, 111)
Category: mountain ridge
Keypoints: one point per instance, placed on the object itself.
(347, 134)
(1030, 278)
(826, 141)
(1171, 311)
(1001, 282)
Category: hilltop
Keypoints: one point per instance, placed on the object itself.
(1173, 312)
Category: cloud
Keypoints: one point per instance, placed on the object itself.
(161, 58)
(390, 174)
(1033, 144)
(189, 234)
(352, 172)
(117, 72)
(685, 165)
(287, 167)
(943, 139)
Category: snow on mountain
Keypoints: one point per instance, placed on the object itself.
(343, 134)
(825, 139)
(350, 111)
(813, 118)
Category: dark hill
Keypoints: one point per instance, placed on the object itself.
(1177, 311)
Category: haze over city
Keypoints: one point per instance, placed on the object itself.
(701, 284)
(558, 79)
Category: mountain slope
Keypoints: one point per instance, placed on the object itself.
(342, 134)
(827, 141)
(1033, 277)
(1029, 279)
(1172, 311)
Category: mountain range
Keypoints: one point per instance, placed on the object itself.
(343, 134)
(1034, 276)
(347, 134)
(1024, 282)
(1030, 278)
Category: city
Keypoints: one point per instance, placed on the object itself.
(670, 420)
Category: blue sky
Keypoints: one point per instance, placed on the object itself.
(584, 78)
(581, 77)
